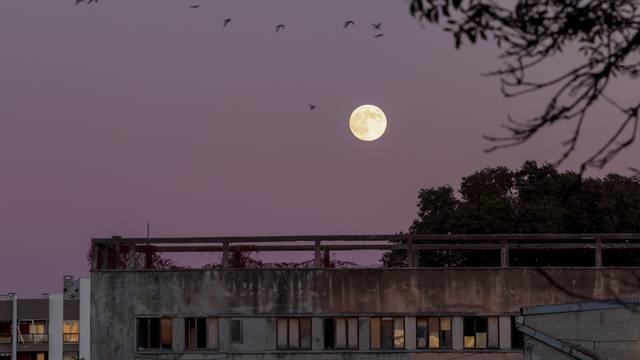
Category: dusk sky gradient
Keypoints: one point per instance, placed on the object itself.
(129, 111)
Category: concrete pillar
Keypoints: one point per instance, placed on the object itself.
(177, 334)
(84, 324)
(56, 307)
(457, 332)
(271, 340)
(14, 328)
(410, 341)
(363, 333)
(317, 331)
(504, 327)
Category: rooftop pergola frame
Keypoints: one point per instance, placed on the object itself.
(107, 253)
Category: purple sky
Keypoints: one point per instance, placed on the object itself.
(145, 110)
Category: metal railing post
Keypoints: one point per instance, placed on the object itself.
(598, 252)
(504, 254)
(318, 255)
(411, 256)
(225, 254)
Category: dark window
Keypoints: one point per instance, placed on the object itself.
(341, 333)
(23, 355)
(154, 333)
(386, 332)
(195, 333)
(329, 333)
(236, 331)
(5, 329)
(433, 332)
(293, 333)
(517, 338)
(480, 332)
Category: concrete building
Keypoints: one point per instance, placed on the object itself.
(54, 327)
(140, 311)
(587, 330)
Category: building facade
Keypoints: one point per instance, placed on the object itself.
(54, 327)
(586, 330)
(139, 311)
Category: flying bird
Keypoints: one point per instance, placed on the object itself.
(79, 1)
(194, 6)
(378, 35)
(311, 107)
(280, 27)
(377, 25)
(349, 22)
(226, 22)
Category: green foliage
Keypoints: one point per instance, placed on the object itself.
(531, 200)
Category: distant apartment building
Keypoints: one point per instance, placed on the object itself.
(54, 327)
(317, 311)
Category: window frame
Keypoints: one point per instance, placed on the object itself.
(440, 333)
(335, 332)
(187, 336)
(299, 319)
(231, 340)
(393, 320)
(149, 348)
(475, 333)
(74, 336)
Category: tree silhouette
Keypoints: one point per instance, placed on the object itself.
(534, 199)
(606, 33)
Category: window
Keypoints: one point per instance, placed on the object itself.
(293, 333)
(236, 331)
(32, 355)
(70, 355)
(5, 333)
(71, 333)
(517, 338)
(433, 332)
(341, 333)
(32, 331)
(200, 333)
(154, 333)
(480, 332)
(387, 332)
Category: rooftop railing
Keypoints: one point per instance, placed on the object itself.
(119, 253)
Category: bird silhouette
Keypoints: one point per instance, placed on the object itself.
(194, 6)
(280, 27)
(378, 35)
(79, 1)
(377, 25)
(226, 22)
(349, 22)
(311, 107)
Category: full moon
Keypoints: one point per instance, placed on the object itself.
(367, 122)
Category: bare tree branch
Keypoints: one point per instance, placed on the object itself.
(606, 33)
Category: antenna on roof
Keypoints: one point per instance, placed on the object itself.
(148, 236)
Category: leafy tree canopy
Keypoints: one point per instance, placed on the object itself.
(530, 200)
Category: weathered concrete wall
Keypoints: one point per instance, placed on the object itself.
(607, 334)
(118, 296)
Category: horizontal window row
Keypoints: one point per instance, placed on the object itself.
(339, 333)
(36, 331)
